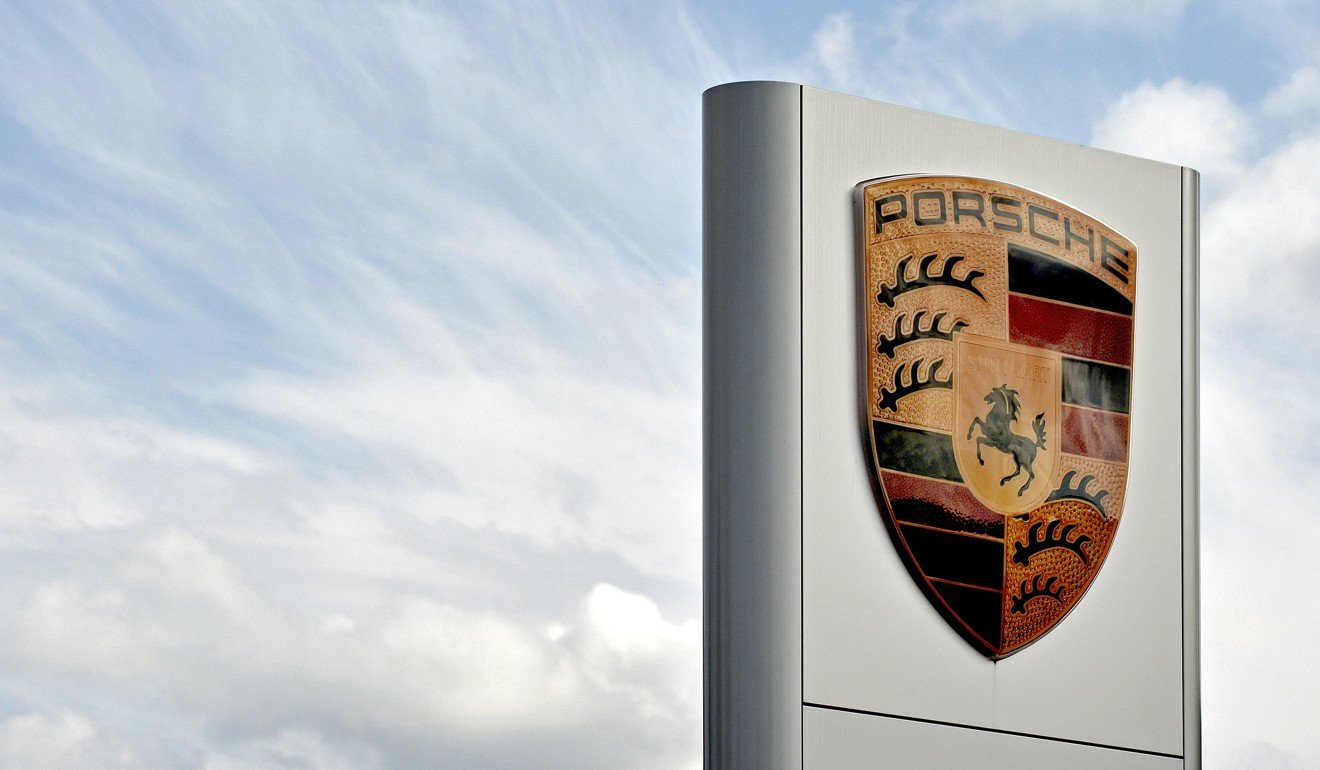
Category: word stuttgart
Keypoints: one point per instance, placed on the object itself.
(1014, 368)
(924, 208)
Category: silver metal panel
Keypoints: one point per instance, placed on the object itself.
(1113, 672)
(806, 599)
(842, 741)
(1191, 438)
(752, 429)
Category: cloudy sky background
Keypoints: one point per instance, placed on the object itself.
(350, 353)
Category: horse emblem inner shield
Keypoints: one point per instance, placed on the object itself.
(998, 350)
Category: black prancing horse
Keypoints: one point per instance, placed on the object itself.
(997, 431)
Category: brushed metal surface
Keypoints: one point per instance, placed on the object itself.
(752, 425)
(842, 741)
(1191, 439)
(1111, 673)
(806, 600)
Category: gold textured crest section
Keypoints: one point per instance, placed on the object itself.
(1053, 554)
(1006, 421)
(1009, 213)
(912, 314)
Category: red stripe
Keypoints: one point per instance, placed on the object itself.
(1073, 330)
(955, 498)
(1102, 435)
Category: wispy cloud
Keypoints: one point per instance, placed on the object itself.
(1017, 16)
(365, 340)
(899, 57)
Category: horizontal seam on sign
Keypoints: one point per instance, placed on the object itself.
(997, 730)
(911, 426)
(1114, 313)
(964, 585)
(991, 538)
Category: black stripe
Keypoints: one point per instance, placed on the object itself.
(1040, 275)
(1099, 386)
(910, 510)
(980, 610)
(948, 555)
(915, 451)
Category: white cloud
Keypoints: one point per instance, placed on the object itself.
(1189, 124)
(1263, 234)
(416, 674)
(1259, 244)
(350, 352)
(1015, 16)
(71, 472)
(66, 741)
(84, 630)
(1258, 248)
(455, 323)
(1258, 696)
(835, 44)
(898, 58)
(524, 454)
(1298, 97)
(294, 748)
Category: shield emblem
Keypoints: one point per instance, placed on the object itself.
(998, 361)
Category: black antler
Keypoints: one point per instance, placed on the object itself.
(1068, 490)
(1042, 537)
(926, 277)
(889, 396)
(915, 331)
(1038, 588)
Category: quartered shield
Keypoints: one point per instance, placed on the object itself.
(998, 349)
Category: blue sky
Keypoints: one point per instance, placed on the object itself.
(349, 397)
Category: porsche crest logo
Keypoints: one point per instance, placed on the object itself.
(998, 362)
